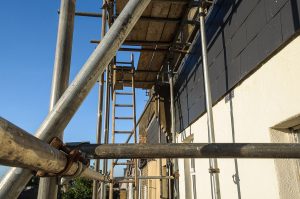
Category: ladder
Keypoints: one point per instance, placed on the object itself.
(116, 117)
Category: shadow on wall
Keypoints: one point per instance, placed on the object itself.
(295, 12)
(235, 176)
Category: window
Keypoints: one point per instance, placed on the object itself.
(193, 177)
(190, 174)
(295, 138)
(288, 170)
(145, 192)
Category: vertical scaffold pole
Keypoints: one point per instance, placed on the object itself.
(169, 166)
(106, 127)
(136, 180)
(48, 187)
(111, 185)
(213, 163)
(110, 6)
(100, 105)
(56, 121)
(173, 131)
(159, 141)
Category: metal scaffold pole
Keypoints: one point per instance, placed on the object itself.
(136, 180)
(193, 150)
(18, 150)
(213, 163)
(48, 187)
(99, 132)
(106, 127)
(100, 105)
(112, 141)
(159, 141)
(173, 131)
(152, 177)
(56, 121)
(110, 10)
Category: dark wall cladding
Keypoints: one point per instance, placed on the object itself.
(241, 34)
(152, 133)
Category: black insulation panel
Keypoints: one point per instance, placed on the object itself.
(240, 35)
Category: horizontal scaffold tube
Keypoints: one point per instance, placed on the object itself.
(151, 177)
(194, 150)
(21, 149)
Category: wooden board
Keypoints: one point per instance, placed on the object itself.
(154, 31)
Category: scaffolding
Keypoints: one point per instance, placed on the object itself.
(49, 157)
(133, 164)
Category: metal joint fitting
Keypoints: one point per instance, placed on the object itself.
(72, 156)
(206, 3)
(105, 5)
(176, 175)
(235, 178)
(107, 179)
(214, 170)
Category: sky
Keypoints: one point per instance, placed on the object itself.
(27, 47)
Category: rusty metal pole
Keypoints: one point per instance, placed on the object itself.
(56, 121)
(100, 105)
(17, 149)
(48, 187)
(193, 150)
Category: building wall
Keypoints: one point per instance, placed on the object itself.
(144, 183)
(254, 75)
(256, 107)
(241, 34)
(149, 133)
(153, 185)
(287, 170)
(123, 194)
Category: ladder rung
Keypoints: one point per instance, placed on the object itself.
(123, 62)
(124, 118)
(123, 105)
(124, 132)
(124, 93)
(124, 163)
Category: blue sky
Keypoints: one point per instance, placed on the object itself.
(27, 47)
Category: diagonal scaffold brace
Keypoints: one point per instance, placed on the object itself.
(15, 180)
(21, 149)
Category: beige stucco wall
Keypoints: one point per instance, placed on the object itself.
(266, 98)
(154, 184)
